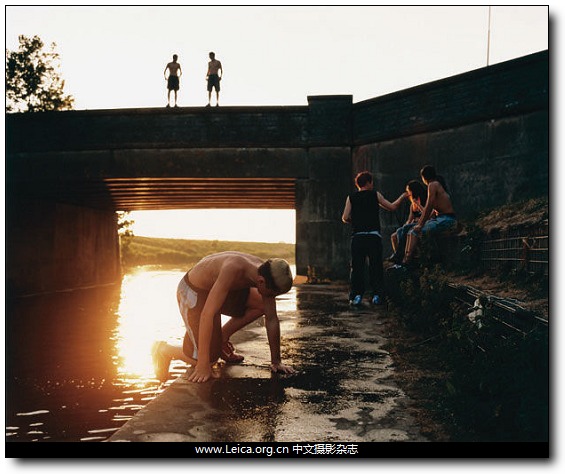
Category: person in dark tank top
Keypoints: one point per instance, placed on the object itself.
(362, 212)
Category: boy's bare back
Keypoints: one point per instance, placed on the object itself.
(239, 266)
(439, 198)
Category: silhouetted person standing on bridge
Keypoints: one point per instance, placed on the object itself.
(362, 212)
(235, 284)
(213, 78)
(173, 79)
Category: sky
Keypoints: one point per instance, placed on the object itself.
(115, 56)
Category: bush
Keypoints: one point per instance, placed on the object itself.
(421, 297)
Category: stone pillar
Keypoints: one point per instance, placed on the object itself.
(322, 240)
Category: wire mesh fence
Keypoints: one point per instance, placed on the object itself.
(519, 250)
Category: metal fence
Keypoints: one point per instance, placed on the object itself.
(495, 318)
(520, 250)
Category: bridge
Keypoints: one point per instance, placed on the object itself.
(140, 159)
(67, 173)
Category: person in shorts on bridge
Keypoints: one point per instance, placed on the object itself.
(234, 284)
(173, 79)
(438, 214)
(213, 78)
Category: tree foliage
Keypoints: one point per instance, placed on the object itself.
(33, 83)
(125, 223)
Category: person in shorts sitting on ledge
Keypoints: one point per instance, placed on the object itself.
(438, 215)
(235, 284)
(417, 193)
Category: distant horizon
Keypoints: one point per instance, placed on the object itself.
(216, 240)
(229, 225)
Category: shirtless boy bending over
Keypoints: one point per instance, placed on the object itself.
(235, 284)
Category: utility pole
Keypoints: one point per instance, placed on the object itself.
(488, 37)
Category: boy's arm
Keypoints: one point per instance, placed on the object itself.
(346, 216)
(272, 326)
(216, 297)
(390, 206)
(410, 215)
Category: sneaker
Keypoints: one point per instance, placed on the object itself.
(160, 362)
(168, 105)
(377, 300)
(356, 301)
(229, 355)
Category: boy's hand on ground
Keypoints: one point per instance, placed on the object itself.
(285, 369)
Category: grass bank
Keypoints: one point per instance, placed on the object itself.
(183, 253)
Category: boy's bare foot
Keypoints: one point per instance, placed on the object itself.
(160, 361)
(229, 355)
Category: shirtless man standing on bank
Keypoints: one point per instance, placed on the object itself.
(235, 284)
(438, 215)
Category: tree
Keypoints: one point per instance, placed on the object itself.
(125, 235)
(125, 223)
(33, 83)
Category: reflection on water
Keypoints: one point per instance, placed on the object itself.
(147, 312)
(78, 364)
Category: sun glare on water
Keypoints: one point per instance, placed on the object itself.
(148, 312)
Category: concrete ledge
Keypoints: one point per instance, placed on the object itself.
(343, 391)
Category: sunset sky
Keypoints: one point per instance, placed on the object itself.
(114, 57)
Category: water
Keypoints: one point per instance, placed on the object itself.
(78, 364)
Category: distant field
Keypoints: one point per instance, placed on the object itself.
(151, 251)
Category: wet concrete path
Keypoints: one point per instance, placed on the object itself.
(344, 389)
